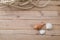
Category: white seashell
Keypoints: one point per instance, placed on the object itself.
(49, 26)
(42, 32)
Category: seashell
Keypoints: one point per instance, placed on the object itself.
(39, 26)
(42, 32)
(49, 26)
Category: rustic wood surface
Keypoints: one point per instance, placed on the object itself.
(16, 24)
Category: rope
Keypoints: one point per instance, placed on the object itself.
(23, 2)
(28, 4)
(36, 3)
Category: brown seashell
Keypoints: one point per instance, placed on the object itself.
(39, 26)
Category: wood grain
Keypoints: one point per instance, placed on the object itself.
(16, 24)
(24, 24)
(29, 15)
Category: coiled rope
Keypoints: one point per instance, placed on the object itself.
(25, 4)
(40, 3)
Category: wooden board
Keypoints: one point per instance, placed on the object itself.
(29, 15)
(18, 25)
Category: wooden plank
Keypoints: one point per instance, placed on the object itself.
(25, 24)
(59, 8)
(55, 27)
(29, 15)
(28, 37)
(22, 32)
(20, 13)
(27, 18)
(50, 13)
(53, 32)
(29, 32)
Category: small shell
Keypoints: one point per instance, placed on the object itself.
(38, 26)
(42, 32)
(49, 26)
